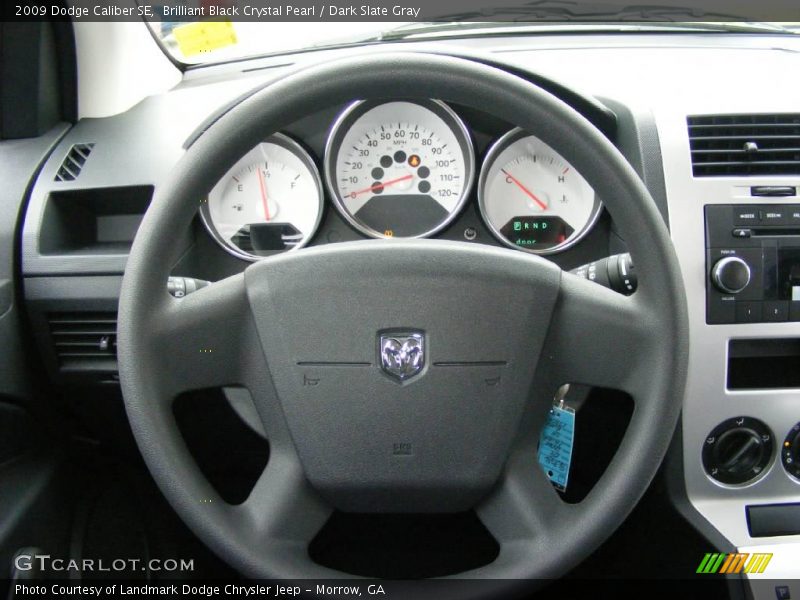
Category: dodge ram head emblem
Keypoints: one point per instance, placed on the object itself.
(402, 355)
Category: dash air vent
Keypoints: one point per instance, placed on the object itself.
(742, 145)
(84, 341)
(73, 162)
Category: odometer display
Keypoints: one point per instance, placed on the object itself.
(399, 169)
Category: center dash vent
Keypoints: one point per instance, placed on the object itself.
(73, 162)
(742, 145)
(85, 340)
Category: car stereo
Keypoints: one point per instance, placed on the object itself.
(752, 263)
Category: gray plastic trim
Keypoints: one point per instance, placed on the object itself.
(20, 163)
(707, 401)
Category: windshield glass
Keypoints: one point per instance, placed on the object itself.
(208, 41)
(204, 41)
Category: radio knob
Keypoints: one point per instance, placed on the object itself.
(731, 275)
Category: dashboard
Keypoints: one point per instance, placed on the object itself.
(400, 169)
(681, 107)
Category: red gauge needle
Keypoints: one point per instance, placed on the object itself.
(385, 184)
(263, 187)
(524, 189)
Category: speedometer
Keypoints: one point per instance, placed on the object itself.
(531, 198)
(400, 168)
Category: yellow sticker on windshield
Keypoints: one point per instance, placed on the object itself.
(204, 36)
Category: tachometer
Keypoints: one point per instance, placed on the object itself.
(269, 202)
(532, 198)
(400, 168)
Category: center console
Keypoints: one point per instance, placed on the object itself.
(753, 276)
(737, 236)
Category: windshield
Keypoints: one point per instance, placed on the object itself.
(208, 42)
(203, 41)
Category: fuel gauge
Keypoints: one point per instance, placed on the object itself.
(269, 202)
(531, 198)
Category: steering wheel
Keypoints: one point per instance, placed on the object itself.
(489, 316)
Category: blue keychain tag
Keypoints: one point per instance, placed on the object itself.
(555, 445)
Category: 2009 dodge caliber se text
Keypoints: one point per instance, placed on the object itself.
(445, 308)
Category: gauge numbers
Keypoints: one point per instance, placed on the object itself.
(399, 169)
(531, 198)
(269, 202)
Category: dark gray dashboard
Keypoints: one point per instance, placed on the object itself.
(130, 153)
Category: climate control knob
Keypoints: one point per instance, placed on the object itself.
(790, 452)
(730, 275)
(737, 450)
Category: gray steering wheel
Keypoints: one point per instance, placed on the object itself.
(293, 317)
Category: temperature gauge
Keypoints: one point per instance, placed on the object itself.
(531, 198)
(270, 201)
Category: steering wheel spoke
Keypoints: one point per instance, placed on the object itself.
(524, 505)
(283, 508)
(206, 339)
(598, 338)
(525, 515)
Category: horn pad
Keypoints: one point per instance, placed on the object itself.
(403, 367)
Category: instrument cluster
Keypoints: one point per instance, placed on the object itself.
(400, 169)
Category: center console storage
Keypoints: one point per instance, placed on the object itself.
(755, 364)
